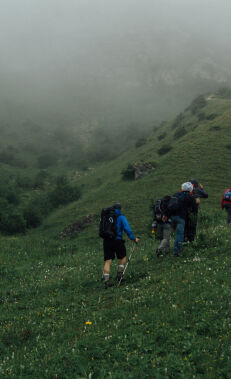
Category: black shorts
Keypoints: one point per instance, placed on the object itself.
(112, 247)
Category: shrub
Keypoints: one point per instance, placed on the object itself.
(128, 173)
(40, 202)
(215, 128)
(228, 146)
(198, 103)
(162, 136)
(63, 193)
(140, 142)
(180, 132)
(211, 116)
(32, 216)
(7, 157)
(201, 116)
(9, 193)
(24, 182)
(164, 149)
(178, 121)
(11, 220)
(41, 179)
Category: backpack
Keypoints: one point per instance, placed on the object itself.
(176, 202)
(107, 225)
(160, 207)
(227, 195)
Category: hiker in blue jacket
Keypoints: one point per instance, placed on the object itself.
(116, 246)
(185, 202)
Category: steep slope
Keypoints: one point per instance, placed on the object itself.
(170, 318)
(196, 144)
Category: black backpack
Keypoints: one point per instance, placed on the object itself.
(176, 202)
(107, 225)
(160, 207)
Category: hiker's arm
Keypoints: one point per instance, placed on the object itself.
(194, 203)
(200, 192)
(127, 229)
(222, 203)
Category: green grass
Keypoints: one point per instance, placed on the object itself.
(170, 318)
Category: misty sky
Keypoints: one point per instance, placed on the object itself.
(101, 58)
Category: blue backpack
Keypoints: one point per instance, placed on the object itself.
(227, 195)
(176, 202)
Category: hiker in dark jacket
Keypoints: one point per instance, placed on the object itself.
(117, 247)
(163, 228)
(226, 204)
(185, 202)
(191, 219)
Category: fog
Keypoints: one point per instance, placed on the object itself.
(110, 61)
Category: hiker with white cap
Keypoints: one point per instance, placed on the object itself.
(178, 208)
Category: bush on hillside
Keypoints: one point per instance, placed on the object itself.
(24, 182)
(140, 142)
(215, 128)
(198, 103)
(211, 116)
(164, 149)
(63, 193)
(9, 158)
(201, 116)
(11, 219)
(161, 136)
(41, 202)
(41, 179)
(178, 121)
(228, 147)
(180, 132)
(10, 193)
(128, 173)
(33, 217)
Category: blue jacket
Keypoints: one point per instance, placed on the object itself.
(123, 225)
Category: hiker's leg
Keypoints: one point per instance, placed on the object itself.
(193, 226)
(165, 243)
(160, 236)
(107, 266)
(109, 255)
(123, 261)
(180, 223)
(121, 255)
(228, 209)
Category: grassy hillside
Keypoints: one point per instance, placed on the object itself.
(170, 318)
(199, 143)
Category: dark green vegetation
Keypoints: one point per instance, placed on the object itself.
(172, 317)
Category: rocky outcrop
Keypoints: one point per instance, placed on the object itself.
(77, 227)
(142, 168)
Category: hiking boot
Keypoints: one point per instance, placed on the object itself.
(108, 284)
(119, 275)
(158, 252)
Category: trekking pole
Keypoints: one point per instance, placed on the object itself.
(125, 268)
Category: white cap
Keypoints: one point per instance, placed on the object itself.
(187, 187)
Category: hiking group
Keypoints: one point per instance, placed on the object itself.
(178, 212)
